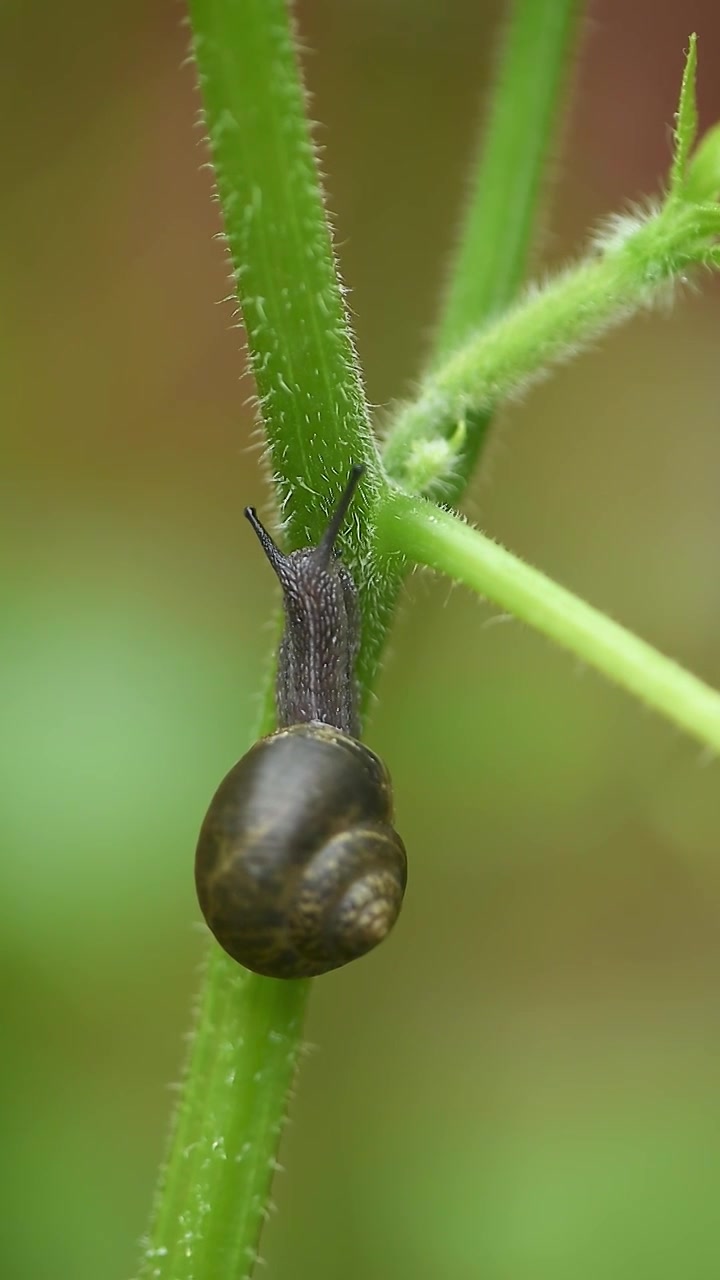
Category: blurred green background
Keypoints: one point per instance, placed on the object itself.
(524, 1082)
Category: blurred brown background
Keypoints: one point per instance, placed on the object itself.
(523, 1083)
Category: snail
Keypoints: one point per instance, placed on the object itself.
(298, 868)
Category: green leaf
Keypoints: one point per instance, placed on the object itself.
(702, 180)
(686, 123)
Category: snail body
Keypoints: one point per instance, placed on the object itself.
(298, 868)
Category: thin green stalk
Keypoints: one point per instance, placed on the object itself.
(426, 450)
(494, 249)
(433, 440)
(430, 536)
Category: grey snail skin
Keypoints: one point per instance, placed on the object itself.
(298, 867)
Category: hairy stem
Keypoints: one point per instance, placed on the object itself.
(214, 1189)
(501, 216)
(443, 542)
(299, 342)
(433, 441)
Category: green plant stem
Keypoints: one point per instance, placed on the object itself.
(212, 1197)
(427, 446)
(494, 248)
(228, 1127)
(443, 542)
(301, 350)
(299, 341)
(501, 217)
(214, 1188)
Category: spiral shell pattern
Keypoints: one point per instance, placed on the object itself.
(298, 867)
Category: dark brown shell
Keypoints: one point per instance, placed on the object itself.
(298, 868)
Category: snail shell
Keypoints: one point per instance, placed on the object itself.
(298, 868)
